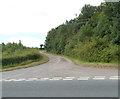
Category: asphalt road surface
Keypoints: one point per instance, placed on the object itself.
(61, 89)
(60, 77)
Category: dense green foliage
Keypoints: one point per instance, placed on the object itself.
(93, 36)
(14, 54)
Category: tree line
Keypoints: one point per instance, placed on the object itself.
(93, 36)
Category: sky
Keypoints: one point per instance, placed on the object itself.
(30, 20)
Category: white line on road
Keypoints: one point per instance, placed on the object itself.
(42, 79)
(19, 79)
(114, 77)
(99, 78)
(83, 78)
(64, 78)
(8, 79)
(67, 79)
(31, 79)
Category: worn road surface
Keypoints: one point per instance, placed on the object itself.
(60, 77)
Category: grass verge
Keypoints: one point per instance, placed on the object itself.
(26, 64)
(89, 64)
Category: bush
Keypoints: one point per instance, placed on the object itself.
(20, 56)
(96, 52)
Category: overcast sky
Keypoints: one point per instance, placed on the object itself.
(30, 20)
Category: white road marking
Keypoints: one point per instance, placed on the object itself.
(64, 78)
(31, 79)
(83, 78)
(68, 78)
(99, 78)
(114, 77)
(19, 79)
(44, 79)
(8, 79)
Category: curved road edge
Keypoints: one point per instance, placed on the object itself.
(87, 64)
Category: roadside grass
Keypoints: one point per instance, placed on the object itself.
(89, 64)
(26, 64)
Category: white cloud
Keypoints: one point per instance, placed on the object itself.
(37, 16)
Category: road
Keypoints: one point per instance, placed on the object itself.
(60, 77)
(58, 67)
(61, 89)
